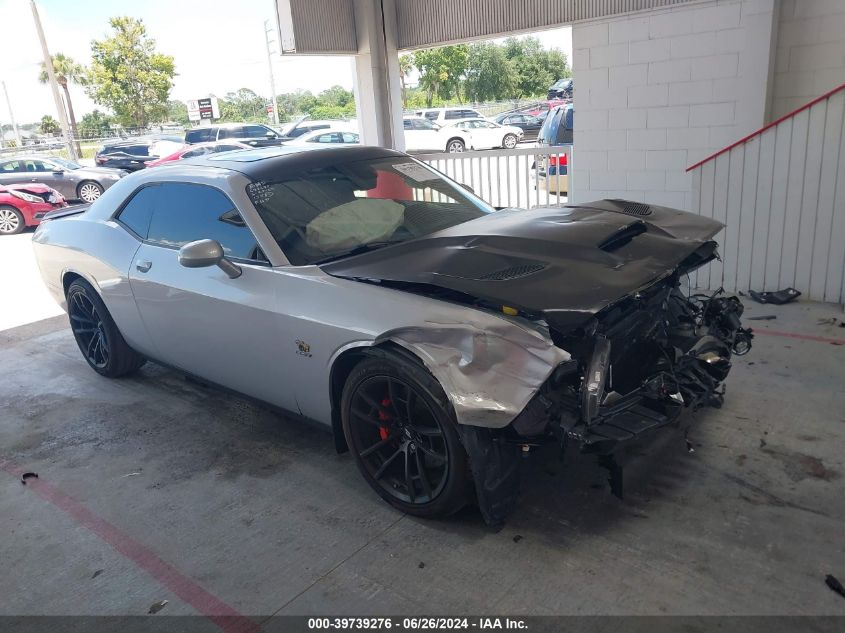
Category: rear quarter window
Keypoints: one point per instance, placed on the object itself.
(136, 213)
(199, 136)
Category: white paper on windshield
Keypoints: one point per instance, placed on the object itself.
(415, 171)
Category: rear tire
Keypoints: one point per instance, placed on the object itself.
(11, 221)
(400, 428)
(89, 190)
(455, 146)
(96, 334)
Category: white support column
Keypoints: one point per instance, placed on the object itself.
(377, 86)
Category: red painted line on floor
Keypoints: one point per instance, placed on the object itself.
(801, 337)
(225, 617)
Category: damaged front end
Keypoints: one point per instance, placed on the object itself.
(636, 367)
(602, 281)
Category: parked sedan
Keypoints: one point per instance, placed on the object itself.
(24, 205)
(136, 154)
(70, 179)
(438, 339)
(200, 149)
(326, 137)
(486, 134)
(530, 125)
(421, 135)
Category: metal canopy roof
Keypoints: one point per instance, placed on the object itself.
(325, 27)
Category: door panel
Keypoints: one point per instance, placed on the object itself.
(224, 330)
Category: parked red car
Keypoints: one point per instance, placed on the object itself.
(199, 149)
(25, 204)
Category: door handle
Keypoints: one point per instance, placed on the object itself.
(143, 265)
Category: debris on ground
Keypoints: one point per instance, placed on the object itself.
(827, 321)
(517, 538)
(834, 584)
(690, 448)
(157, 606)
(96, 573)
(775, 298)
(766, 317)
(762, 443)
(28, 475)
(421, 565)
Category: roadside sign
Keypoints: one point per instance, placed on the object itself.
(203, 109)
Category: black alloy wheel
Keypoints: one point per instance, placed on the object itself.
(88, 329)
(398, 426)
(101, 343)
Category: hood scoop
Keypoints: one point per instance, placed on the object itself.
(631, 208)
(623, 236)
(514, 272)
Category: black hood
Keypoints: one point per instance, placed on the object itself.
(567, 263)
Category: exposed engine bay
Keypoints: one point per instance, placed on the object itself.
(635, 349)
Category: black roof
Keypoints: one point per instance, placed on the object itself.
(268, 162)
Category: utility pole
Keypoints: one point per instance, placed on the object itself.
(11, 117)
(54, 86)
(267, 32)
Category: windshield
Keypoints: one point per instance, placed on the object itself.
(67, 164)
(329, 212)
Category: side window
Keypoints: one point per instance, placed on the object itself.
(349, 137)
(11, 166)
(255, 131)
(431, 116)
(137, 212)
(200, 151)
(422, 124)
(186, 212)
(231, 132)
(35, 165)
(454, 114)
(408, 124)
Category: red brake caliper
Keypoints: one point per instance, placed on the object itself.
(384, 416)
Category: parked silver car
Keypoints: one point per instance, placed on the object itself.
(70, 179)
(439, 339)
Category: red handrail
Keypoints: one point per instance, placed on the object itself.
(766, 127)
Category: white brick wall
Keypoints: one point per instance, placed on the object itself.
(810, 57)
(657, 92)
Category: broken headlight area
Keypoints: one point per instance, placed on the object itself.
(636, 367)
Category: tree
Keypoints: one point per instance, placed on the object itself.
(177, 112)
(535, 68)
(49, 126)
(490, 75)
(95, 124)
(243, 105)
(406, 65)
(128, 76)
(66, 71)
(441, 70)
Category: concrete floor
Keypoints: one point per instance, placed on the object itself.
(153, 488)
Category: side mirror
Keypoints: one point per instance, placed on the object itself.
(204, 253)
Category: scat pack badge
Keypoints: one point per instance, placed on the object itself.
(303, 349)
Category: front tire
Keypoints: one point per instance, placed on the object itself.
(96, 334)
(455, 146)
(400, 428)
(509, 142)
(89, 190)
(11, 221)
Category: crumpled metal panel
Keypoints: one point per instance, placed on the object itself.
(488, 373)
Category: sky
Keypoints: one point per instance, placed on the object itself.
(218, 46)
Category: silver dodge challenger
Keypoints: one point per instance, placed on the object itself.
(438, 338)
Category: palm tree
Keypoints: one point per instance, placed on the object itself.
(67, 71)
(406, 65)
